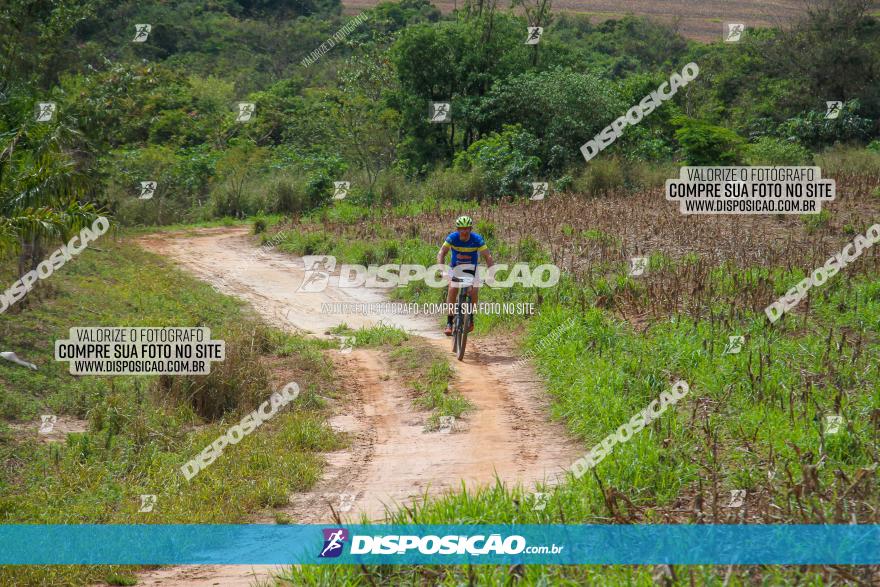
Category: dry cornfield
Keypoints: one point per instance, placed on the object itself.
(593, 238)
(701, 21)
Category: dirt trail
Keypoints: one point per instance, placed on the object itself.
(391, 460)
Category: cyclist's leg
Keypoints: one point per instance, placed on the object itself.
(451, 294)
(474, 295)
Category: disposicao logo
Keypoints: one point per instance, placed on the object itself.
(334, 539)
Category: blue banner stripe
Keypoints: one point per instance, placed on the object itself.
(512, 544)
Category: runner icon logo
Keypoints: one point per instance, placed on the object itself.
(734, 345)
(832, 109)
(734, 32)
(148, 189)
(317, 275)
(539, 190)
(534, 36)
(141, 32)
(638, 266)
(47, 423)
(334, 539)
(147, 503)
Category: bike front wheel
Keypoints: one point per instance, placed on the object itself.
(463, 333)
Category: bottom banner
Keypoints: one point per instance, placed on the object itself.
(32, 544)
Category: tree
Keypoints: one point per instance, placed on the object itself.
(707, 144)
(40, 189)
(563, 109)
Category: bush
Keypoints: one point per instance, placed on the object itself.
(815, 131)
(286, 194)
(391, 187)
(259, 225)
(601, 177)
(486, 229)
(454, 184)
(707, 144)
(506, 160)
(237, 384)
(647, 175)
(773, 151)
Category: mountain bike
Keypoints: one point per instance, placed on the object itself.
(463, 316)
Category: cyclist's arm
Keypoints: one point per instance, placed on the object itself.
(441, 254)
(487, 255)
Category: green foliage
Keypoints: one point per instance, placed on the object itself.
(389, 17)
(772, 151)
(454, 184)
(506, 161)
(560, 106)
(815, 131)
(455, 61)
(707, 144)
(601, 177)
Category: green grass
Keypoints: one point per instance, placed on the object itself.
(753, 420)
(214, 223)
(374, 336)
(429, 374)
(139, 433)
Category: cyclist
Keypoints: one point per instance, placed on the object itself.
(467, 247)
